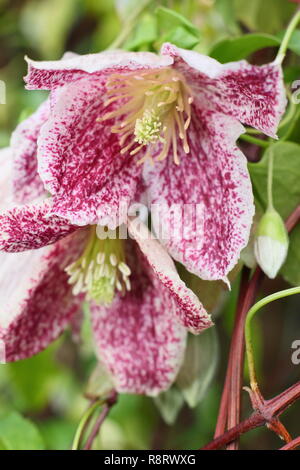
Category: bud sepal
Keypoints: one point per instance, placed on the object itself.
(271, 243)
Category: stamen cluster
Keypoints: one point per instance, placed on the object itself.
(100, 270)
(153, 108)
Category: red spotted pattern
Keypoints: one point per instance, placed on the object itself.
(31, 226)
(80, 161)
(252, 94)
(138, 337)
(52, 74)
(36, 300)
(212, 194)
(27, 184)
(190, 312)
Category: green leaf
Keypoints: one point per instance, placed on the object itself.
(145, 33)
(199, 366)
(165, 26)
(18, 433)
(168, 20)
(291, 73)
(181, 37)
(290, 269)
(286, 195)
(241, 47)
(294, 42)
(32, 379)
(169, 404)
(57, 433)
(176, 29)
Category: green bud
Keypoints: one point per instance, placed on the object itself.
(271, 225)
(271, 243)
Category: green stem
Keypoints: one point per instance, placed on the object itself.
(291, 127)
(270, 181)
(286, 39)
(128, 26)
(250, 130)
(248, 333)
(85, 418)
(254, 140)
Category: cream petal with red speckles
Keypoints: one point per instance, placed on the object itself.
(52, 74)
(138, 337)
(35, 297)
(189, 311)
(80, 161)
(31, 226)
(27, 184)
(255, 95)
(210, 194)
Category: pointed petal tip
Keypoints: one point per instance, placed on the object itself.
(190, 312)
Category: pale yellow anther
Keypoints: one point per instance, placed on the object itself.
(147, 128)
(101, 269)
(100, 258)
(113, 259)
(124, 268)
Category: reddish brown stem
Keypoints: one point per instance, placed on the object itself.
(285, 399)
(293, 219)
(230, 406)
(253, 422)
(268, 412)
(292, 445)
(222, 415)
(96, 428)
(248, 295)
(223, 410)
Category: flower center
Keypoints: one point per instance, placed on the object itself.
(156, 109)
(100, 270)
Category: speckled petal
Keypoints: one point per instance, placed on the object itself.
(189, 311)
(51, 74)
(36, 299)
(254, 95)
(137, 336)
(27, 185)
(31, 226)
(209, 195)
(80, 161)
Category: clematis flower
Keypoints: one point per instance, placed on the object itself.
(118, 123)
(140, 308)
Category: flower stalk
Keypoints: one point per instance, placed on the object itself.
(271, 243)
(286, 39)
(229, 411)
(129, 25)
(84, 422)
(248, 332)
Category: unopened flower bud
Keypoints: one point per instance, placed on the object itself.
(271, 243)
